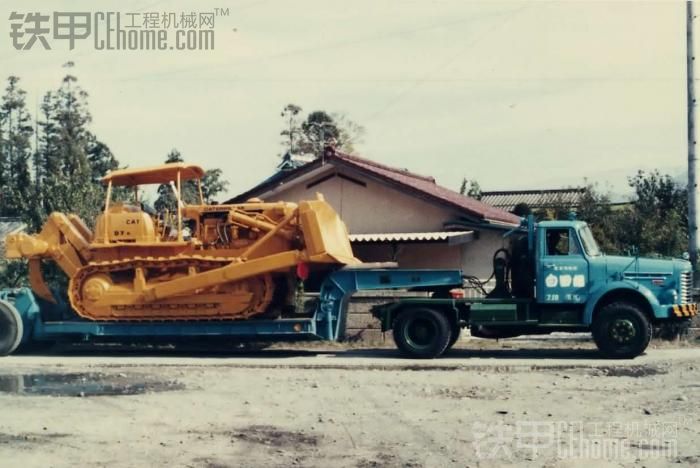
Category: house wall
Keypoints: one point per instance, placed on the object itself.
(473, 258)
(477, 256)
(411, 255)
(378, 208)
(373, 208)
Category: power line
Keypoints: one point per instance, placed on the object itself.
(446, 63)
(317, 48)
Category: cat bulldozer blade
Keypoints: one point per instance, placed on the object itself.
(200, 262)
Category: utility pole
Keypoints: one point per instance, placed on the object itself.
(692, 158)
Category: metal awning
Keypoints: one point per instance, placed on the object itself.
(451, 237)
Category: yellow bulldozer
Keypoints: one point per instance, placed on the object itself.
(201, 262)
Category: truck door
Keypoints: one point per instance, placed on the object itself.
(562, 270)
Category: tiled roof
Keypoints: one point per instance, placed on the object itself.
(423, 186)
(508, 199)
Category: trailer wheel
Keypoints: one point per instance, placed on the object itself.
(621, 331)
(422, 333)
(11, 328)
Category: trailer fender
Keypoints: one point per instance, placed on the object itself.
(387, 313)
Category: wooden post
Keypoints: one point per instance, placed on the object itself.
(692, 158)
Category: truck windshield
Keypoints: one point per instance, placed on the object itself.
(588, 241)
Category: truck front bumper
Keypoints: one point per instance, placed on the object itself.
(683, 310)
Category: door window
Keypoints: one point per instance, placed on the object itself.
(560, 242)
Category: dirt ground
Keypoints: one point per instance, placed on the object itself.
(512, 403)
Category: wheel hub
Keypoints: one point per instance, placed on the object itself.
(622, 330)
(421, 332)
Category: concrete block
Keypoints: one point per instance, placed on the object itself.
(362, 321)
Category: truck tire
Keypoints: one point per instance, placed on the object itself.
(454, 336)
(11, 328)
(422, 333)
(621, 330)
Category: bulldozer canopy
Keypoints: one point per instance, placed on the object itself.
(154, 175)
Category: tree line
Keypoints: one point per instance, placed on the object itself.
(310, 135)
(653, 222)
(54, 162)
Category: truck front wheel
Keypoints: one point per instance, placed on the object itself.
(422, 333)
(621, 330)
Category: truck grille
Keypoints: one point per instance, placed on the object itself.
(686, 287)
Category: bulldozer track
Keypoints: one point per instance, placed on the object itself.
(166, 264)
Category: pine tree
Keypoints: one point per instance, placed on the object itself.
(15, 151)
(70, 160)
(100, 158)
(166, 198)
(212, 185)
(310, 136)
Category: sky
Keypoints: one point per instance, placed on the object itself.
(516, 95)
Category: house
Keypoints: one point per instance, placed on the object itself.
(396, 215)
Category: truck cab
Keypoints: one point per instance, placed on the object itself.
(572, 272)
(552, 277)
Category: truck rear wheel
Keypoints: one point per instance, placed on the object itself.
(422, 333)
(621, 330)
(456, 331)
(11, 328)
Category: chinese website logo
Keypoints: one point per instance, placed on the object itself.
(116, 30)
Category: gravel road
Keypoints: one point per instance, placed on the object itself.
(520, 404)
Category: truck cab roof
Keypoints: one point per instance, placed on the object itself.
(561, 224)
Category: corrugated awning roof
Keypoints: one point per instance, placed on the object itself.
(453, 237)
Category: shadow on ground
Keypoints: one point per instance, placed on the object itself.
(523, 351)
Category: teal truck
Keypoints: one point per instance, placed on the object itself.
(551, 277)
